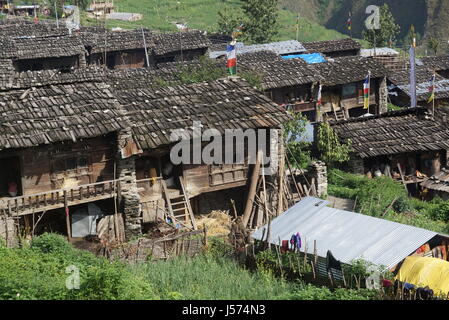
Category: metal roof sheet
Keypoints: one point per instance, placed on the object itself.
(281, 47)
(347, 235)
(378, 52)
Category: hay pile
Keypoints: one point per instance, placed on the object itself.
(217, 223)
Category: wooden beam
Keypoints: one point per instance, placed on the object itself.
(67, 217)
(252, 189)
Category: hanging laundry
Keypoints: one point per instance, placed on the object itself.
(331, 262)
(284, 247)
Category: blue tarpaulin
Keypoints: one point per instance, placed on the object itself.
(309, 58)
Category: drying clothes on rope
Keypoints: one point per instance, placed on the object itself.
(331, 262)
(423, 249)
(426, 272)
(284, 247)
(387, 283)
(295, 241)
(409, 286)
(424, 293)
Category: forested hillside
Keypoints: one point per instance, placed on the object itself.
(429, 17)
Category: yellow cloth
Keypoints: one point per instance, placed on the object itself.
(422, 272)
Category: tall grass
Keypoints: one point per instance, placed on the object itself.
(39, 272)
(210, 277)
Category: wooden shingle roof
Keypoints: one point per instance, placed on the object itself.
(277, 72)
(41, 47)
(437, 63)
(221, 104)
(166, 43)
(332, 46)
(349, 69)
(438, 182)
(401, 79)
(408, 130)
(58, 112)
(100, 40)
(9, 79)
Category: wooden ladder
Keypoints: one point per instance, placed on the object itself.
(179, 208)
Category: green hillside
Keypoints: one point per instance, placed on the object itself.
(203, 15)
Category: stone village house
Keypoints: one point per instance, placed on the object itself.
(76, 147)
(409, 145)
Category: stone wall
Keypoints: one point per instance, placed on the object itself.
(130, 200)
(383, 96)
(318, 172)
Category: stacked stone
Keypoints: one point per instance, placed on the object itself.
(130, 200)
(318, 171)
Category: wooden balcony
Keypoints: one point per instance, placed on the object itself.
(56, 199)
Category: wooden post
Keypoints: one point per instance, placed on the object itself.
(234, 210)
(402, 177)
(252, 189)
(6, 228)
(305, 252)
(279, 258)
(281, 182)
(265, 204)
(67, 217)
(269, 233)
(205, 235)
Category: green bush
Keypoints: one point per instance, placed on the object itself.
(51, 243)
(39, 272)
(386, 198)
(441, 212)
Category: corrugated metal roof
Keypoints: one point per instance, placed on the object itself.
(281, 47)
(347, 235)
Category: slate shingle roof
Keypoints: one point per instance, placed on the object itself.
(409, 130)
(332, 46)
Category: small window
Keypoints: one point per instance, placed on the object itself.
(82, 162)
(59, 166)
(71, 164)
(349, 90)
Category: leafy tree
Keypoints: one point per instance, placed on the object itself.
(260, 23)
(294, 136)
(387, 32)
(434, 45)
(331, 149)
(228, 21)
